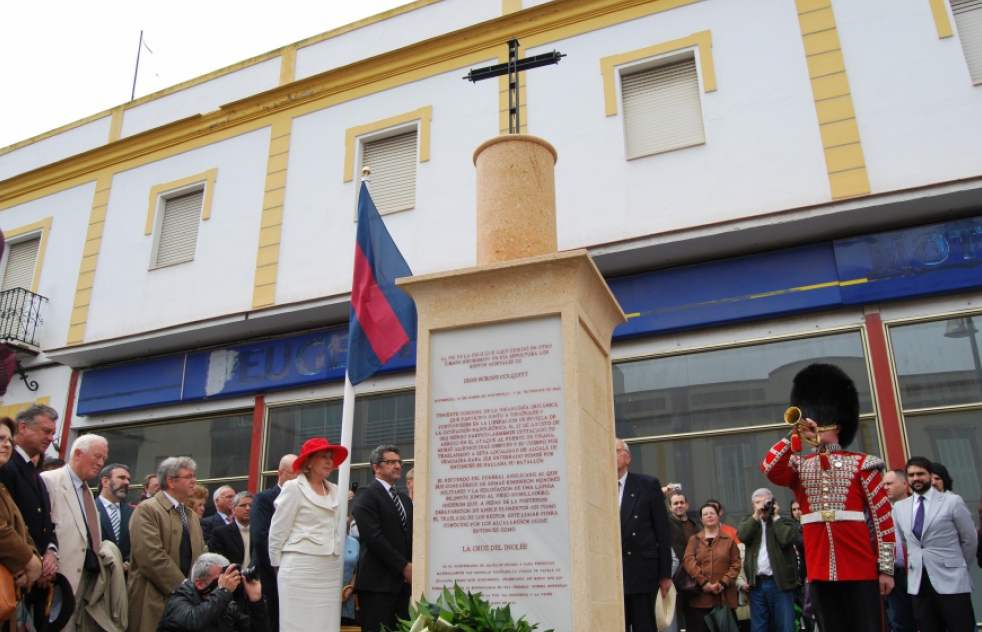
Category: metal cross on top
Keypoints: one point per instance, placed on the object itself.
(512, 68)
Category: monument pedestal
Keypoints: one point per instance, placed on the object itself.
(515, 472)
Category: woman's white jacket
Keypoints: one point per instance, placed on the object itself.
(305, 522)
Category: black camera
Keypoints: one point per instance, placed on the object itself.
(247, 574)
(769, 507)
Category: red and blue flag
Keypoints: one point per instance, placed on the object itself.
(383, 317)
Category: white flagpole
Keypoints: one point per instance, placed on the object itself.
(348, 422)
(347, 427)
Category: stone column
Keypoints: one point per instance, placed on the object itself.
(515, 471)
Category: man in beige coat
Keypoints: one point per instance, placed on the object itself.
(73, 509)
(166, 541)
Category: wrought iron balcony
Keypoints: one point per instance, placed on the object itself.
(20, 319)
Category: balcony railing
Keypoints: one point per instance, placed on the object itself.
(20, 318)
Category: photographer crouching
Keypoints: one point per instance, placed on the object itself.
(771, 564)
(210, 602)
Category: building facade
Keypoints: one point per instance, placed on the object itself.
(764, 183)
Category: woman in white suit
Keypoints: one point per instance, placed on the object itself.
(306, 541)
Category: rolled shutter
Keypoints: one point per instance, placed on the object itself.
(968, 20)
(179, 229)
(20, 265)
(662, 109)
(393, 164)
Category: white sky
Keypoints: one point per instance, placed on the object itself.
(63, 60)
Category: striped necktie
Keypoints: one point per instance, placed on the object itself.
(399, 507)
(114, 519)
(184, 518)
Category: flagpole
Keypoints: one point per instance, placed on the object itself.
(136, 71)
(347, 428)
(348, 421)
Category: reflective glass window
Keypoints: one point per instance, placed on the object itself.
(388, 418)
(220, 446)
(938, 362)
(726, 389)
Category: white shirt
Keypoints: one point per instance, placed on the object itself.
(108, 503)
(170, 498)
(763, 559)
(21, 452)
(621, 482)
(79, 487)
(244, 532)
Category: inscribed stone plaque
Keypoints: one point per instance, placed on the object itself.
(500, 498)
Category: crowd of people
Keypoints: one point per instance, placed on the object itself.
(277, 560)
(862, 550)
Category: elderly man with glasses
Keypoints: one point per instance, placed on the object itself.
(166, 541)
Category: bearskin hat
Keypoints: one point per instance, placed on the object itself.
(827, 395)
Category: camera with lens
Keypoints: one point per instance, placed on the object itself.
(769, 507)
(249, 574)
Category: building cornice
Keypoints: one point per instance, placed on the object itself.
(535, 26)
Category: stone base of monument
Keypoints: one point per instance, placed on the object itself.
(515, 493)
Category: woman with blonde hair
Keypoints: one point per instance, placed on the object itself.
(306, 541)
(197, 500)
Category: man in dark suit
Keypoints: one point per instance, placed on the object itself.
(646, 551)
(385, 523)
(233, 540)
(222, 498)
(35, 432)
(262, 517)
(114, 512)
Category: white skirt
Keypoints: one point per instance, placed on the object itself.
(310, 592)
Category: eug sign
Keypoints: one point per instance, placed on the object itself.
(500, 503)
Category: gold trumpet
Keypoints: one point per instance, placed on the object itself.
(793, 417)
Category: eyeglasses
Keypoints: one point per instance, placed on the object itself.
(189, 476)
(6, 441)
(392, 462)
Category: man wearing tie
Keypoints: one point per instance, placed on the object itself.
(385, 522)
(223, 512)
(73, 508)
(646, 543)
(940, 539)
(114, 513)
(262, 517)
(233, 541)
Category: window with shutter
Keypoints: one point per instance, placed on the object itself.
(179, 229)
(968, 20)
(662, 108)
(393, 164)
(21, 261)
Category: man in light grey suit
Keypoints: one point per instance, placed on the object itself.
(940, 538)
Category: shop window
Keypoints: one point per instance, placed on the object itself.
(968, 20)
(706, 419)
(939, 379)
(662, 108)
(21, 261)
(388, 418)
(219, 445)
(393, 163)
(178, 235)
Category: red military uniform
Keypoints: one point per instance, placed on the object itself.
(841, 493)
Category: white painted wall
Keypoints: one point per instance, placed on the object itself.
(55, 148)
(920, 117)
(52, 381)
(69, 211)
(402, 30)
(203, 97)
(317, 251)
(762, 152)
(128, 297)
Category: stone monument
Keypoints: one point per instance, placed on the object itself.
(515, 493)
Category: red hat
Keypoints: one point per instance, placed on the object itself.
(318, 444)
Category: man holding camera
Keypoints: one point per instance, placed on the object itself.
(771, 564)
(209, 600)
